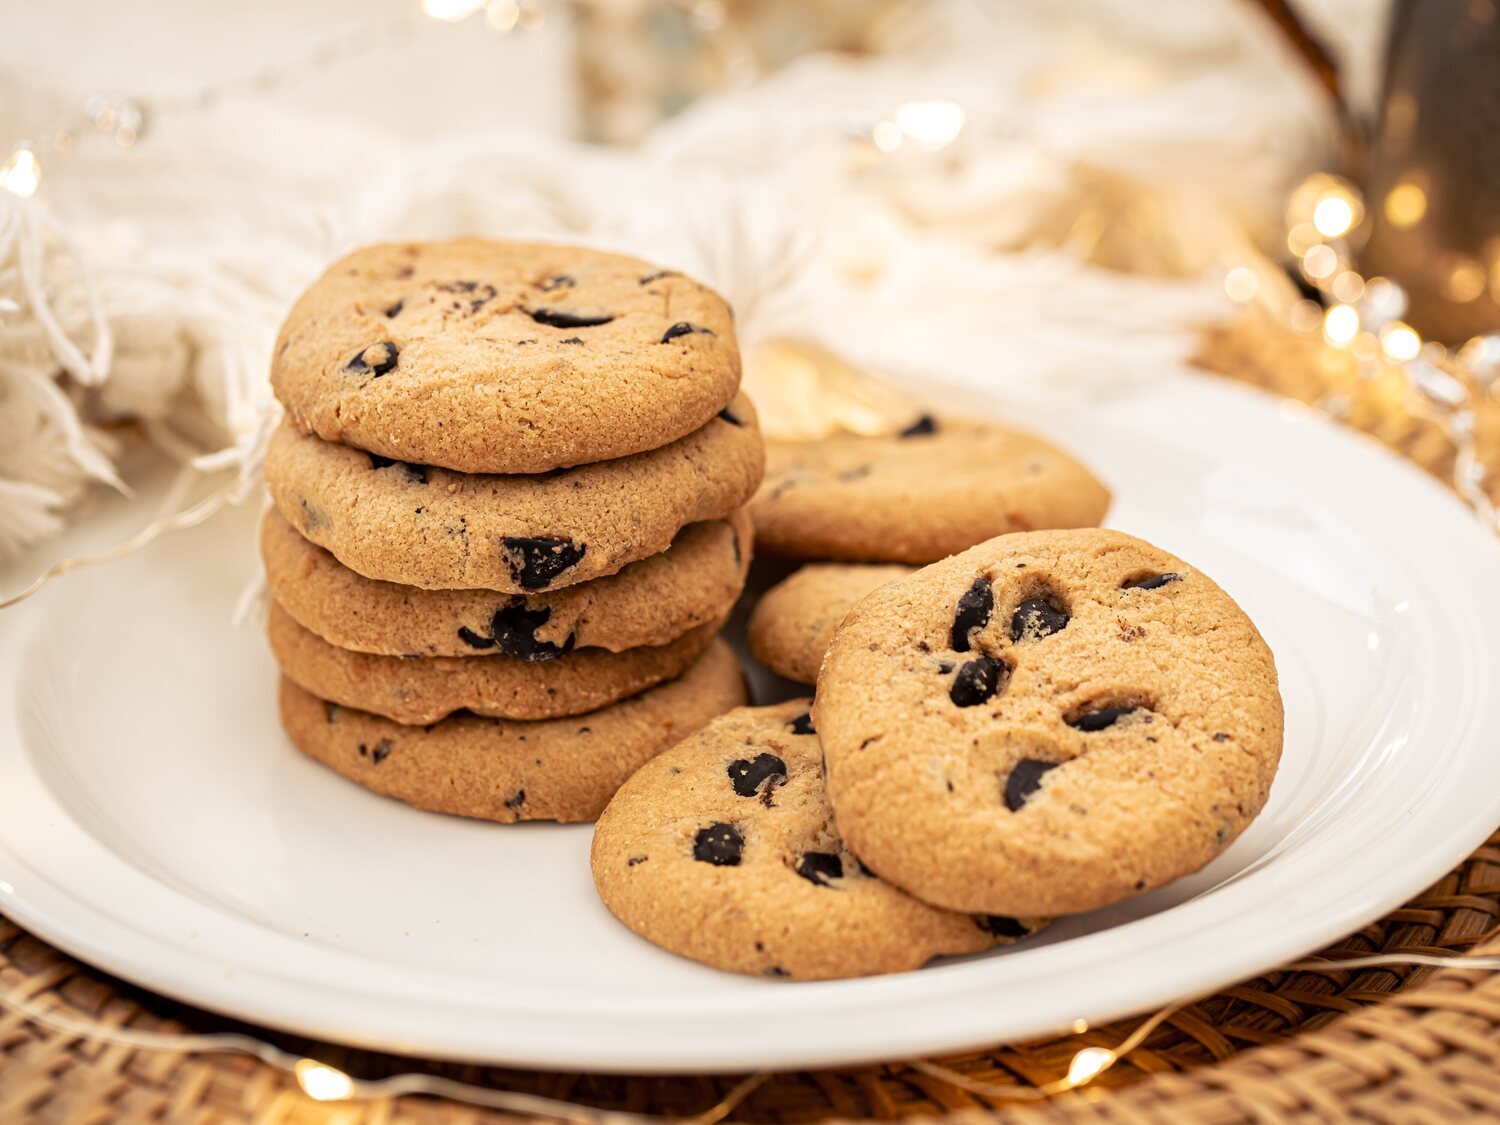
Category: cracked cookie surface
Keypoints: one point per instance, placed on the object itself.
(496, 357)
(935, 489)
(650, 602)
(495, 769)
(419, 525)
(1047, 723)
(723, 850)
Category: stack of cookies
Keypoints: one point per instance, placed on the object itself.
(508, 522)
(1047, 723)
(878, 505)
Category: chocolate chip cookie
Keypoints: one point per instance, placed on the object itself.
(495, 769)
(693, 582)
(1047, 723)
(426, 689)
(437, 529)
(935, 489)
(723, 850)
(497, 357)
(794, 621)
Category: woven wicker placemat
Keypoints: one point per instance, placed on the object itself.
(1389, 1044)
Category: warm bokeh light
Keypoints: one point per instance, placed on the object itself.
(1088, 1064)
(1241, 284)
(501, 16)
(1400, 342)
(1320, 262)
(1341, 325)
(451, 11)
(1336, 214)
(22, 173)
(1348, 287)
(931, 124)
(1301, 238)
(321, 1082)
(887, 136)
(1405, 205)
(1464, 281)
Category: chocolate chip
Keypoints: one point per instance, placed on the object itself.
(974, 610)
(923, 426)
(1221, 736)
(516, 799)
(1025, 780)
(730, 417)
(417, 474)
(473, 639)
(977, 681)
(331, 711)
(562, 318)
(514, 629)
(778, 972)
(748, 776)
(557, 281)
(381, 752)
(1001, 925)
(635, 859)
(1036, 618)
(458, 286)
(1150, 581)
(313, 517)
(803, 724)
(657, 276)
(376, 359)
(683, 328)
(395, 310)
(1092, 721)
(573, 340)
(718, 844)
(820, 867)
(536, 560)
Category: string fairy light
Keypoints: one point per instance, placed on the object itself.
(323, 1082)
(1362, 316)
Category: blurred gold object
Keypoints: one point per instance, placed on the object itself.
(1434, 181)
(803, 392)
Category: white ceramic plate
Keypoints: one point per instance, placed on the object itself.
(154, 821)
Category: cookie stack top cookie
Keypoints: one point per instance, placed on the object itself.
(492, 357)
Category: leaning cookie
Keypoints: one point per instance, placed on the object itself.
(935, 489)
(429, 527)
(723, 850)
(496, 357)
(426, 689)
(493, 769)
(794, 621)
(693, 582)
(1047, 723)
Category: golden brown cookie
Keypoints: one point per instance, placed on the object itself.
(1047, 723)
(494, 769)
(794, 621)
(429, 527)
(935, 489)
(694, 582)
(429, 688)
(723, 850)
(500, 357)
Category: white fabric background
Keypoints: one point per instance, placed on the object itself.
(1116, 155)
